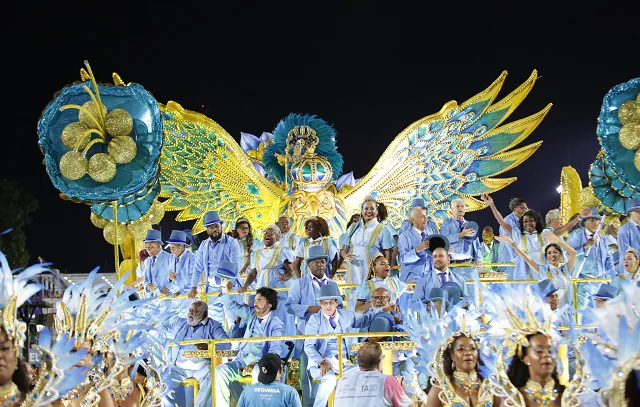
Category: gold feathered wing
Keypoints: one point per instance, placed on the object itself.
(455, 152)
(202, 168)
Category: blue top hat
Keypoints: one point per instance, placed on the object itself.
(435, 294)
(382, 322)
(437, 240)
(472, 225)
(453, 290)
(607, 292)
(329, 291)
(633, 205)
(153, 236)
(227, 270)
(546, 287)
(417, 203)
(316, 252)
(211, 217)
(593, 214)
(177, 236)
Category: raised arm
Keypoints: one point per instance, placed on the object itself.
(508, 241)
(573, 254)
(496, 214)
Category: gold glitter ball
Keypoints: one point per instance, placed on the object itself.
(118, 123)
(629, 112)
(122, 149)
(72, 133)
(588, 198)
(109, 233)
(98, 221)
(91, 107)
(138, 229)
(630, 136)
(73, 165)
(156, 212)
(102, 167)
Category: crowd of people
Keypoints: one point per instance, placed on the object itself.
(420, 279)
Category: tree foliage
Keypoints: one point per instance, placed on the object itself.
(15, 207)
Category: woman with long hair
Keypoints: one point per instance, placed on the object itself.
(554, 268)
(243, 233)
(317, 230)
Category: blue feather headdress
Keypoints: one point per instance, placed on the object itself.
(326, 146)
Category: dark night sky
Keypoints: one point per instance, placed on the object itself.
(369, 69)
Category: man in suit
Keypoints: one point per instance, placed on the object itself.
(259, 323)
(324, 362)
(180, 271)
(412, 247)
(437, 276)
(156, 266)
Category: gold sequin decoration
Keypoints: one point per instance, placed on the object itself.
(139, 228)
(98, 221)
(102, 167)
(91, 107)
(630, 136)
(119, 123)
(156, 212)
(122, 149)
(73, 165)
(72, 133)
(588, 198)
(629, 112)
(108, 233)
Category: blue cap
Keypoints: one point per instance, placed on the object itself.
(316, 252)
(177, 236)
(329, 291)
(546, 287)
(211, 217)
(593, 214)
(227, 270)
(437, 240)
(633, 205)
(607, 292)
(418, 203)
(382, 322)
(153, 236)
(435, 294)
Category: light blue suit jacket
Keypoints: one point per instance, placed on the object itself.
(598, 263)
(317, 349)
(210, 254)
(450, 228)
(302, 294)
(179, 330)
(505, 253)
(184, 272)
(431, 280)
(413, 265)
(159, 273)
(274, 327)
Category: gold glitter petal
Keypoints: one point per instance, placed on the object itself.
(138, 229)
(119, 123)
(98, 221)
(72, 133)
(73, 165)
(109, 233)
(588, 198)
(630, 136)
(102, 167)
(636, 160)
(156, 212)
(122, 149)
(91, 107)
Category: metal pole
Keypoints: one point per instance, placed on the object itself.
(116, 254)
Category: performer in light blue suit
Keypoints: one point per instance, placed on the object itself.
(157, 265)
(518, 207)
(412, 247)
(431, 227)
(323, 353)
(302, 303)
(181, 271)
(197, 325)
(463, 237)
(261, 322)
(629, 233)
(437, 276)
(594, 259)
(218, 247)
